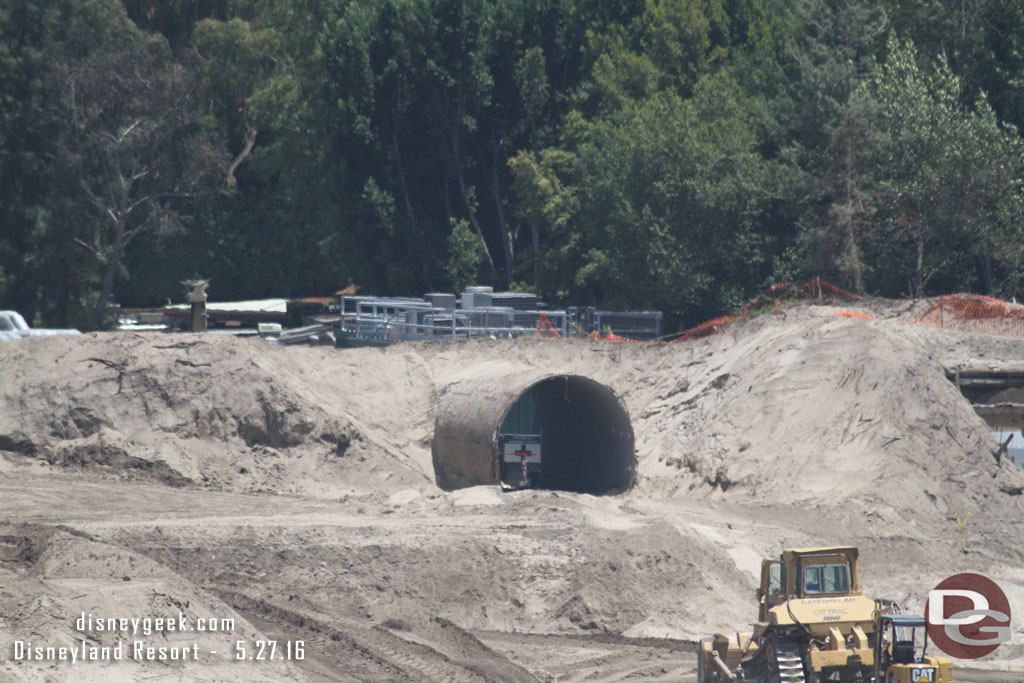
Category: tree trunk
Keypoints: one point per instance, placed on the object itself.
(535, 235)
(919, 266)
(250, 140)
(454, 138)
(506, 236)
(447, 201)
(401, 179)
(985, 270)
(853, 253)
(109, 273)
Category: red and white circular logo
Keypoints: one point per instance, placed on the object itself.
(968, 616)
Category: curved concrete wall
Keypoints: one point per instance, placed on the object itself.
(588, 439)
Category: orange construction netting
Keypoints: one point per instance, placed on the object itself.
(777, 294)
(611, 336)
(976, 313)
(815, 289)
(708, 328)
(964, 312)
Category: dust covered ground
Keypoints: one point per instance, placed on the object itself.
(287, 494)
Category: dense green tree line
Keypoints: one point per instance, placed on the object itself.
(669, 154)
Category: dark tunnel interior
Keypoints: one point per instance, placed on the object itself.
(587, 443)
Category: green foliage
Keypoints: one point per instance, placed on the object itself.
(946, 177)
(27, 126)
(522, 287)
(670, 154)
(982, 41)
(659, 204)
(834, 54)
(133, 144)
(466, 259)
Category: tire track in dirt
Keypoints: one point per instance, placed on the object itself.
(375, 653)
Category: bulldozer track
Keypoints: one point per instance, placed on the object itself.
(789, 664)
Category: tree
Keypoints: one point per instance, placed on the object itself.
(550, 208)
(27, 129)
(466, 257)
(431, 99)
(133, 145)
(834, 52)
(235, 60)
(659, 204)
(946, 177)
(982, 40)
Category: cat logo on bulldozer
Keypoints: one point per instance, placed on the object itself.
(923, 675)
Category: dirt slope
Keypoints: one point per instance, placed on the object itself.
(292, 488)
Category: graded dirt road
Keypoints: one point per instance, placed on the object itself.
(292, 491)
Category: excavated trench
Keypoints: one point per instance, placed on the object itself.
(584, 442)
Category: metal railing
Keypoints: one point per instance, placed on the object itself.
(429, 324)
(384, 320)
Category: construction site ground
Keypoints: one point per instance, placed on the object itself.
(292, 490)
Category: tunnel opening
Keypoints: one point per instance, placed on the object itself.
(997, 395)
(562, 432)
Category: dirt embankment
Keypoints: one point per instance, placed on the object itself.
(293, 488)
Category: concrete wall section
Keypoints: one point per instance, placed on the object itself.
(469, 413)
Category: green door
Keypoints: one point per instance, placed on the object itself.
(519, 444)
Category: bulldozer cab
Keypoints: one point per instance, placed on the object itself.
(773, 590)
(807, 573)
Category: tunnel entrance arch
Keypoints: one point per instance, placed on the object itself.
(486, 427)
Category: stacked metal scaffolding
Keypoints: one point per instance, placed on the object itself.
(481, 312)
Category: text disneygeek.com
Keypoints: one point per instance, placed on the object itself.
(129, 646)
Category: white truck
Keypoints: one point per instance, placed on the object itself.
(14, 327)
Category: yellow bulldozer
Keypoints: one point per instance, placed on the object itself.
(814, 625)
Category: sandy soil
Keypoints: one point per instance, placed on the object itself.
(292, 491)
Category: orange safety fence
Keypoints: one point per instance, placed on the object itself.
(611, 336)
(708, 328)
(778, 293)
(807, 290)
(975, 313)
(964, 312)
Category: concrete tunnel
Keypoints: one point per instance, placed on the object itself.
(584, 442)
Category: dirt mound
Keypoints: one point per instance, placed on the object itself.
(797, 405)
(232, 414)
(296, 486)
(802, 407)
(56, 585)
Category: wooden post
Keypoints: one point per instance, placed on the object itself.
(198, 322)
(197, 298)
